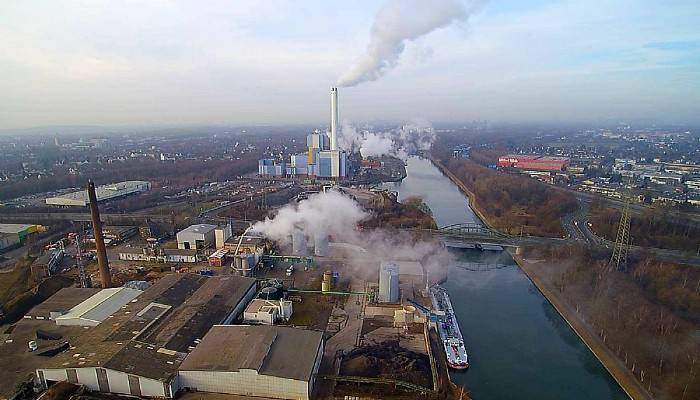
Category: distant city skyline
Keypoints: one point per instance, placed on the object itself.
(273, 62)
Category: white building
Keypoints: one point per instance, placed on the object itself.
(197, 236)
(104, 192)
(263, 361)
(267, 312)
(222, 233)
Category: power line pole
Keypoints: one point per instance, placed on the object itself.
(618, 259)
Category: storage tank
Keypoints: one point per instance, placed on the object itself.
(321, 248)
(388, 283)
(298, 242)
(327, 282)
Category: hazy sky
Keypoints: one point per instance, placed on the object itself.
(230, 62)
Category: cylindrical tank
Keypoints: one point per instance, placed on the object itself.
(298, 242)
(321, 248)
(388, 283)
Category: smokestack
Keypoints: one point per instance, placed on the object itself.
(334, 118)
(99, 240)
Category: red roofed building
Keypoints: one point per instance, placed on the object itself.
(533, 162)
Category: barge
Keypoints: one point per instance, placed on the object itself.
(448, 328)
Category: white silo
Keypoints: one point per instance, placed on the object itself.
(321, 244)
(298, 242)
(388, 283)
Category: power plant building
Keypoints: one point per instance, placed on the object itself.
(104, 193)
(260, 361)
(138, 349)
(323, 159)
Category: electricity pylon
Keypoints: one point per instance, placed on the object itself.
(618, 259)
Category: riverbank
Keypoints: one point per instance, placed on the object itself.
(473, 204)
(607, 358)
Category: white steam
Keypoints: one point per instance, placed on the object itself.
(414, 136)
(335, 214)
(329, 212)
(396, 23)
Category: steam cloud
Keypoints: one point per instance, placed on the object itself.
(396, 23)
(417, 135)
(338, 215)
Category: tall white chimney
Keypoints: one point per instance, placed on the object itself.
(334, 118)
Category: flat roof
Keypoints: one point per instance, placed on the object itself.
(14, 228)
(150, 335)
(103, 192)
(279, 351)
(198, 228)
(100, 305)
(63, 300)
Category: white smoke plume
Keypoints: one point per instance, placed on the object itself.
(413, 136)
(339, 216)
(329, 212)
(397, 22)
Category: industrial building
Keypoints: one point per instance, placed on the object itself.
(323, 159)
(263, 361)
(97, 307)
(399, 279)
(47, 264)
(199, 236)
(533, 162)
(388, 283)
(104, 193)
(137, 350)
(267, 312)
(13, 235)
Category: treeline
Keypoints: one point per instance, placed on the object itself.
(514, 203)
(652, 228)
(648, 314)
(411, 213)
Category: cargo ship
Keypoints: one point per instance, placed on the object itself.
(448, 328)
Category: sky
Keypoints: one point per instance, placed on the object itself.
(150, 62)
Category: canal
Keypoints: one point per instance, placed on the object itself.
(519, 346)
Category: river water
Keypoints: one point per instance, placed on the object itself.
(519, 346)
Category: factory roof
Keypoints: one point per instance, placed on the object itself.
(150, 335)
(14, 228)
(103, 192)
(98, 307)
(270, 350)
(62, 301)
(198, 228)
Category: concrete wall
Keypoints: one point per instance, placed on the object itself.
(245, 382)
(118, 381)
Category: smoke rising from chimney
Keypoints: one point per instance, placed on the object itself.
(415, 135)
(397, 22)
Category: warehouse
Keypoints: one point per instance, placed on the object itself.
(264, 361)
(199, 236)
(104, 193)
(138, 349)
(98, 307)
(14, 234)
(533, 162)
